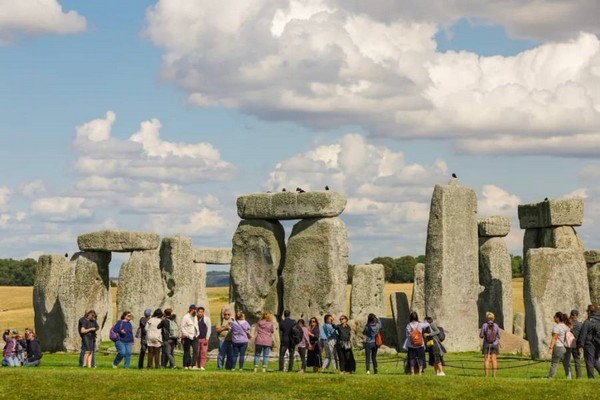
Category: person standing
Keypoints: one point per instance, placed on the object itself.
(189, 332)
(574, 352)
(313, 358)
(263, 341)
(82, 350)
(490, 333)
(303, 345)
(415, 343)
(204, 330)
(347, 364)
(88, 331)
(370, 331)
(590, 330)
(435, 347)
(154, 338)
(224, 335)
(169, 342)
(285, 344)
(240, 334)
(125, 342)
(143, 337)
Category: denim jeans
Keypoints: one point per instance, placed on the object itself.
(371, 353)
(123, 352)
(239, 350)
(265, 350)
(227, 354)
(168, 353)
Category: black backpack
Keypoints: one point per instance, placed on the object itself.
(442, 335)
(296, 335)
(595, 329)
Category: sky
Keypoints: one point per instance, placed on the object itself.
(156, 115)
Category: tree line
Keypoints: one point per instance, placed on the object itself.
(17, 272)
(402, 269)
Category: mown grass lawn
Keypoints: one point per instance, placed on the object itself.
(60, 378)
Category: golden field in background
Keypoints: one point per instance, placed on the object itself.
(16, 304)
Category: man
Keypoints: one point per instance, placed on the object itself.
(143, 337)
(285, 335)
(589, 330)
(34, 352)
(574, 352)
(204, 330)
(80, 323)
(189, 332)
(224, 334)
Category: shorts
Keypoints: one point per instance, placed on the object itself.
(491, 349)
(88, 343)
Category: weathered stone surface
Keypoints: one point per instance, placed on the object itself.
(207, 255)
(257, 261)
(553, 282)
(63, 291)
(494, 226)
(561, 237)
(367, 295)
(495, 276)
(562, 212)
(291, 205)
(400, 315)
(141, 284)
(418, 292)
(513, 344)
(519, 324)
(593, 273)
(182, 276)
(120, 241)
(592, 257)
(452, 260)
(316, 268)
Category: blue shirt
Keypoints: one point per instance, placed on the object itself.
(127, 335)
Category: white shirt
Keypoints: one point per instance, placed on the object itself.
(189, 326)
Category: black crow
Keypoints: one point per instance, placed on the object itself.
(300, 190)
(326, 187)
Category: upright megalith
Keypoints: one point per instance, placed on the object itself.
(258, 254)
(367, 295)
(141, 284)
(417, 299)
(291, 205)
(554, 282)
(452, 260)
(592, 258)
(495, 271)
(119, 241)
(401, 315)
(316, 268)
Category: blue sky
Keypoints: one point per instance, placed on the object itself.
(155, 116)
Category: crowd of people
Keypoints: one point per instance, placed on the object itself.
(21, 350)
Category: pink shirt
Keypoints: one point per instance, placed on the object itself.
(264, 333)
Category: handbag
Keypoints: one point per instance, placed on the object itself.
(114, 336)
(429, 343)
(378, 339)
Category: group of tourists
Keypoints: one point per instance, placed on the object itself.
(20, 350)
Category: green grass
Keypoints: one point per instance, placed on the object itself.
(60, 378)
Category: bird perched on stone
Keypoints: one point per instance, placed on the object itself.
(300, 190)
(453, 179)
(283, 190)
(326, 187)
(454, 175)
(66, 255)
(545, 199)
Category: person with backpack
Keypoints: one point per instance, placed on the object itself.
(285, 343)
(558, 345)
(204, 330)
(154, 338)
(433, 342)
(589, 341)
(490, 333)
(170, 335)
(574, 352)
(125, 340)
(415, 343)
(142, 335)
(372, 328)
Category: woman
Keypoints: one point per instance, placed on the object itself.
(370, 331)
(154, 339)
(435, 348)
(303, 345)
(490, 332)
(34, 352)
(313, 358)
(415, 343)
(557, 347)
(9, 358)
(88, 331)
(328, 339)
(344, 346)
(169, 344)
(264, 340)
(240, 333)
(123, 344)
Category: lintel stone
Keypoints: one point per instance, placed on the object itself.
(291, 205)
(118, 241)
(496, 226)
(550, 213)
(592, 257)
(208, 255)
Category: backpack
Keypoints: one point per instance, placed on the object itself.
(174, 332)
(490, 333)
(442, 335)
(296, 335)
(416, 337)
(152, 332)
(569, 339)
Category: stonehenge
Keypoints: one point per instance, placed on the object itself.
(368, 287)
(291, 205)
(417, 300)
(592, 259)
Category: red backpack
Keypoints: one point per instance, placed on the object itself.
(416, 337)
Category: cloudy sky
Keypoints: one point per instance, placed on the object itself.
(156, 115)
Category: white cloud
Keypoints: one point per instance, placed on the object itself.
(4, 197)
(61, 209)
(33, 188)
(497, 201)
(36, 17)
(4, 218)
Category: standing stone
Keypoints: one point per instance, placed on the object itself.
(367, 295)
(316, 268)
(418, 291)
(592, 258)
(519, 324)
(258, 254)
(495, 276)
(141, 285)
(452, 259)
(554, 282)
(401, 314)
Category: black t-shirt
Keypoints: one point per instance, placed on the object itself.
(80, 325)
(90, 324)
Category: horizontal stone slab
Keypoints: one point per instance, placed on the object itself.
(291, 205)
(118, 241)
(208, 255)
(496, 226)
(549, 213)
(592, 257)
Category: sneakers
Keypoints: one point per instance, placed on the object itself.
(264, 369)
(255, 369)
(241, 369)
(368, 372)
(202, 369)
(441, 374)
(114, 366)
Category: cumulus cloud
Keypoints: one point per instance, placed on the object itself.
(36, 17)
(497, 201)
(61, 209)
(4, 197)
(33, 188)
(330, 63)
